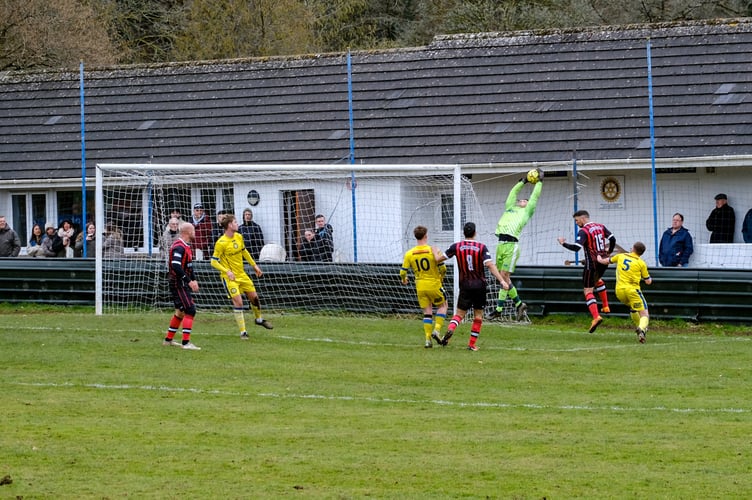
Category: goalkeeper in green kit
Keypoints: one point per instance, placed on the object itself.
(516, 214)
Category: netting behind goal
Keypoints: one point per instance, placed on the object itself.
(371, 226)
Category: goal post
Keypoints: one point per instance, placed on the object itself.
(372, 211)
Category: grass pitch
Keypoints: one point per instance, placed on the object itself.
(353, 407)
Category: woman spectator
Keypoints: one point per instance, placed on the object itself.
(34, 249)
(88, 238)
(66, 233)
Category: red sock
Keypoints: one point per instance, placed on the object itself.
(454, 323)
(475, 331)
(174, 325)
(592, 305)
(187, 327)
(600, 287)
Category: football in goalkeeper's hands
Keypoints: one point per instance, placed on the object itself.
(533, 176)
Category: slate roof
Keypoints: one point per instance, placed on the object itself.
(501, 98)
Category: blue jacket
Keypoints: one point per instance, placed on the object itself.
(675, 248)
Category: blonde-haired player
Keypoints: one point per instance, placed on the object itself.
(429, 277)
(630, 270)
(228, 257)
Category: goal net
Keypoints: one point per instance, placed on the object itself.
(370, 213)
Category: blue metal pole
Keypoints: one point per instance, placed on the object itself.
(574, 201)
(652, 152)
(353, 183)
(83, 153)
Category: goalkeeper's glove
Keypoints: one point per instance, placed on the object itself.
(540, 174)
(523, 180)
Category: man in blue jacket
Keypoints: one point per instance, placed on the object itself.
(676, 244)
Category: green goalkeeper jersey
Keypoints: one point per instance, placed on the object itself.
(514, 218)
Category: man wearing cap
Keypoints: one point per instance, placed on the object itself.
(721, 221)
(203, 226)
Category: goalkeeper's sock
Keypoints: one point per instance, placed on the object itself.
(515, 298)
(438, 321)
(600, 288)
(502, 298)
(239, 318)
(592, 304)
(173, 329)
(187, 327)
(427, 326)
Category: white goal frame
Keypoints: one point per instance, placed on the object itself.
(102, 182)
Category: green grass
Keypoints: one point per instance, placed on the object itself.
(352, 407)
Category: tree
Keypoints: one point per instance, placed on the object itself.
(59, 34)
(144, 29)
(219, 29)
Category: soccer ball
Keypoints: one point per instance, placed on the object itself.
(532, 176)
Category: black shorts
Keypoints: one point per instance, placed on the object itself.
(182, 297)
(590, 276)
(472, 298)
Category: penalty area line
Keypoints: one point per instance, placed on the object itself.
(395, 401)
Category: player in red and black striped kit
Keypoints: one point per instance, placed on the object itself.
(182, 284)
(472, 259)
(594, 240)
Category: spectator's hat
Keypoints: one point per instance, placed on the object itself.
(721, 196)
(48, 225)
(198, 205)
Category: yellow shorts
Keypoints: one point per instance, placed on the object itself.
(632, 298)
(431, 296)
(239, 286)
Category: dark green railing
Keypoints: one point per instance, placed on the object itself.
(693, 294)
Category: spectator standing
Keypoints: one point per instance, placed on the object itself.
(182, 284)
(429, 278)
(52, 244)
(228, 258)
(10, 244)
(592, 239)
(324, 235)
(630, 270)
(252, 234)
(86, 239)
(203, 226)
(170, 234)
(676, 244)
(472, 258)
(747, 227)
(309, 247)
(721, 221)
(67, 233)
(112, 244)
(174, 214)
(34, 249)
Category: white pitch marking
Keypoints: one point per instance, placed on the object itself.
(459, 404)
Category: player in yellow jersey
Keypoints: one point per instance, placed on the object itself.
(429, 278)
(630, 270)
(228, 258)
